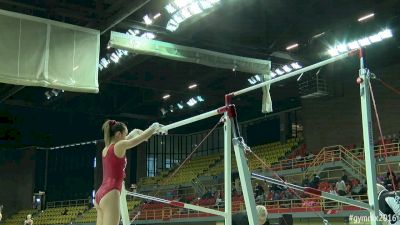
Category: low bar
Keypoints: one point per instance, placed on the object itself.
(177, 204)
(313, 192)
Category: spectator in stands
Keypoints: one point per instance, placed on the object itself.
(359, 189)
(315, 181)
(28, 220)
(207, 195)
(133, 188)
(65, 212)
(1, 210)
(306, 181)
(218, 200)
(241, 218)
(341, 187)
(332, 189)
(258, 190)
(90, 202)
(180, 190)
(234, 191)
(389, 180)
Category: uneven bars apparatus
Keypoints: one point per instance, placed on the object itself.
(244, 173)
(364, 75)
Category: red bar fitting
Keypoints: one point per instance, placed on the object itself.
(361, 53)
(228, 99)
(353, 52)
(230, 109)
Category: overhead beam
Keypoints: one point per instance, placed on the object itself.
(181, 53)
(10, 93)
(25, 104)
(130, 8)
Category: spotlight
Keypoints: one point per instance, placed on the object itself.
(131, 32)
(172, 25)
(200, 99)
(185, 13)
(148, 35)
(353, 45)
(279, 71)
(157, 15)
(386, 34)
(171, 108)
(166, 96)
(182, 3)
(366, 17)
(296, 65)
(114, 57)
(180, 105)
(191, 102)
(104, 62)
(251, 81)
(163, 111)
(292, 46)
(258, 78)
(286, 68)
(273, 74)
(333, 52)
(178, 17)
(375, 38)
(342, 48)
(205, 4)
(54, 92)
(364, 42)
(48, 96)
(192, 86)
(170, 9)
(318, 35)
(147, 20)
(194, 8)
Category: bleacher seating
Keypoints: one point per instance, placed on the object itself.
(270, 153)
(55, 215)
(19, 217)
(191, 169)
(90, 215)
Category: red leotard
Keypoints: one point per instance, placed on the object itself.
(113, 173)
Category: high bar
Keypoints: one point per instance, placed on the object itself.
(294, 73)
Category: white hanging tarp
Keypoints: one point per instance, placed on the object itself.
(41, 52)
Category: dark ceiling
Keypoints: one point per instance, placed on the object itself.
(132, 90)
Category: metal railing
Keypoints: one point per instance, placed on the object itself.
(276, 206)
(67, 203)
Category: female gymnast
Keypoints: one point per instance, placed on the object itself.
(117, 141)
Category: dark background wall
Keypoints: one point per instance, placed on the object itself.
(337, 119)
(17, 174)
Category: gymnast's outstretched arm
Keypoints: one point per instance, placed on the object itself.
(126, 144)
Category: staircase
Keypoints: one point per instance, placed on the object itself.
(198, 186)
(337, 154)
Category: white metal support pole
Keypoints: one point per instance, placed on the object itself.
(123, 206)
(369, 153)
(228, 169)
(245, 180)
